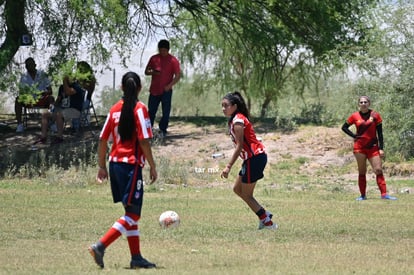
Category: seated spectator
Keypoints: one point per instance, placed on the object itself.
(34, 91)
(87, 78)
(69, 105)
(87, 81)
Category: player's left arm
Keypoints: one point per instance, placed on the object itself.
(102, 149)
(146, 150)
(238, 129)
(380, 136)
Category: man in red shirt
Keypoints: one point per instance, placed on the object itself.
(165, 71)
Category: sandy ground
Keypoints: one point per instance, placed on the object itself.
(320, 147)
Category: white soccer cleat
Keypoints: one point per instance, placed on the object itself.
(274, 226)
(262, 223)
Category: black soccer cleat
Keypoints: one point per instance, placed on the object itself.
(139, 262)
(97, 254)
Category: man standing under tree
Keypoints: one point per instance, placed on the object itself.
(164, 69)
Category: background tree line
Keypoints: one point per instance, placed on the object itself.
(291, 59)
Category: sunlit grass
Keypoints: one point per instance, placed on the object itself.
(47, 226)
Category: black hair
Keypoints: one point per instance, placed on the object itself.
(164, 44)
(131, 84)
(84, 67)
(29, 59)
(236, 98)
(86, 77)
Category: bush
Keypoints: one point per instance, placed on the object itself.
(312, 114)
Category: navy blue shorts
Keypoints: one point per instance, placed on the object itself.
(126, 184)
(252, 168)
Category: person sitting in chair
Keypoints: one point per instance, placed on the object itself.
(35, 91)
(69, 105)
(87, 81)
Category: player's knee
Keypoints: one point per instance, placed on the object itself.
(237, 191)
(378, 171)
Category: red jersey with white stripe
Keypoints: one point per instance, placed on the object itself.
(251, 145)
(125, 151)
(366, 127)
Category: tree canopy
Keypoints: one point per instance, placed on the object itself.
(65, 28)
(103, 27)
(259, 46)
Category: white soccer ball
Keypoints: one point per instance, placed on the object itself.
(169, 219)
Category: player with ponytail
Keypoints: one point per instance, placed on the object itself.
(130, 100)
(128, 127)
(251, 151)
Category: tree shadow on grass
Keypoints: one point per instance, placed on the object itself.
(20, 157)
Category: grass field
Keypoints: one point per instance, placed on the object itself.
(47, 225)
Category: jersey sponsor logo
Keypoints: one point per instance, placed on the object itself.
(116, 116)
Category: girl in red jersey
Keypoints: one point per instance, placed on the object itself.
(251, 151)
(368, 145)
(128, 127)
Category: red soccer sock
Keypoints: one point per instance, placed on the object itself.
(110, 236)
(261, 214)
(263, 217)
(114, 232)
(362, 183)
(381, 184)
(133, 240)
(133, 235)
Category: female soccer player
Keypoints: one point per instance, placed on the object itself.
(128, 127)
(368, 145)
(251, 151)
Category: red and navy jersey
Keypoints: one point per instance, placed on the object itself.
(125, 151)
(251, 145)
(366, 129)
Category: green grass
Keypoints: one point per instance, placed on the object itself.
(47, 226)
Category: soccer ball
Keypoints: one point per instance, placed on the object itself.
(169, 219)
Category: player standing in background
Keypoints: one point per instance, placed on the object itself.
(368, 145)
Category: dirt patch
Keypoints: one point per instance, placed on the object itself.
(318, 146)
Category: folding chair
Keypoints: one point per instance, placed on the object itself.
(85, 117)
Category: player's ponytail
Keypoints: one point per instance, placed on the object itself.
(131, 85)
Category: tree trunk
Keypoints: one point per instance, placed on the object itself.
(15, 28)
(265, 105)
